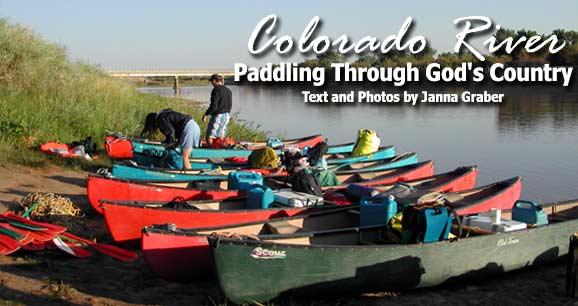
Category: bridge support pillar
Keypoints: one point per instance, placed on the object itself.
(176, 86)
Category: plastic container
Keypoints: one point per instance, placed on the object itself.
(243, 180)
(529, 212)
(274, 143)
(259, 197)
(438, 223)
(376, 210)
(484, 222)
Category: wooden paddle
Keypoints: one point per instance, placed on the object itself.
(110, 250)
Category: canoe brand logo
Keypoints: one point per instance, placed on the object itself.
(507, 241)
(261, 253)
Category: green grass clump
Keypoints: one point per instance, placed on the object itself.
(46, 97)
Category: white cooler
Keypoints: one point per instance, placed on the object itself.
(292, 198)
(484, 221)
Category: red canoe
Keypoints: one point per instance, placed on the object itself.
(462, 178)
(382, 177)
(125, 219)
(183, 254)
(99, 187)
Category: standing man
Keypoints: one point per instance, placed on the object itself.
(221, 103)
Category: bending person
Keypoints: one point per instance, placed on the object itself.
(175, 125)
(221, 103)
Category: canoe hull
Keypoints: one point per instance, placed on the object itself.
(99, 188)
(125, 222)
(183, 257)
(314, 269)
(139, 173)
(399, 174)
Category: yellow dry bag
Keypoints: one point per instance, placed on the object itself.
(367, 142)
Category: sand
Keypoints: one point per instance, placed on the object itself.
(53, 278)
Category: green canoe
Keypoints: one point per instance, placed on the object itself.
(357, 259)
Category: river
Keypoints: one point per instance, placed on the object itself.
(532, 134)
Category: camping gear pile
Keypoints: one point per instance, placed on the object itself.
(317, 217)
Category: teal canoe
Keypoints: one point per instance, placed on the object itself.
(156, 174)
(361, 260)
(132, 172)
(154, 148)
(150, 155)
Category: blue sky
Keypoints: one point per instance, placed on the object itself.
(214, 34)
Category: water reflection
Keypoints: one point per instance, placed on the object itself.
(532, 134)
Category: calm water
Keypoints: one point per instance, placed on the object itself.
(534, 134)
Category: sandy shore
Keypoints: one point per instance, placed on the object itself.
(51, 278)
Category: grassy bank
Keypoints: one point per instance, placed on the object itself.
(46, 97)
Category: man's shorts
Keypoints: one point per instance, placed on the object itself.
(217, 127)
(191, 136)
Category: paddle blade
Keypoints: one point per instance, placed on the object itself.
(69, 248)
(110, 250)
(52, 227)
(8, 244)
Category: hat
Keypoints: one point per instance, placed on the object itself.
(216, 77)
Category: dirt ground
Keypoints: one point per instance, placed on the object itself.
(52, 278)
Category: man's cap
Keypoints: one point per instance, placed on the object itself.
(216, 77)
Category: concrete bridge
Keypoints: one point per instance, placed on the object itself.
(170, 73)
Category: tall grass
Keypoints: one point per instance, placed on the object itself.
(46, 97)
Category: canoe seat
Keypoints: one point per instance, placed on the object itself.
(204, 206)
(365, 176)
(283, 227)
(455, 200)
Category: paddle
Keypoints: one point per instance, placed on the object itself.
(22, 236)
(110, 250)
(34, 246)
(8, 244)
(51, 227)
(34, 235)
(22, 224)
(69, 248)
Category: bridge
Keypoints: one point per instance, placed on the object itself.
(169, 73)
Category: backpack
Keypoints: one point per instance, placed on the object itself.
(88, 143)
(426, 223)
(306, 183)
(316, 153)
(290, 160)
(178, 203)
(263, 158)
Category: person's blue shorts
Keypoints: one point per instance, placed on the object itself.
(217, 127)
(191, 136)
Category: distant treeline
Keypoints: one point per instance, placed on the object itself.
(568, 56)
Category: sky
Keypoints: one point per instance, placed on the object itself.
(173, 34)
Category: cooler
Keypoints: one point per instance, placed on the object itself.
(293, 198)
(484, 222)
